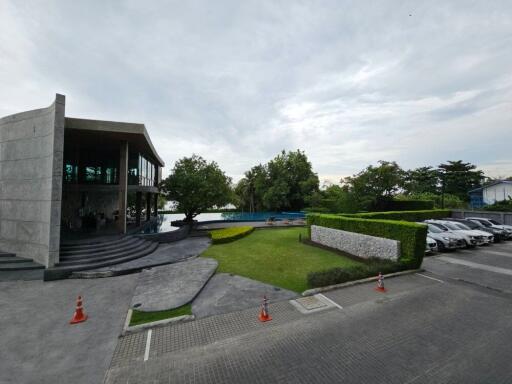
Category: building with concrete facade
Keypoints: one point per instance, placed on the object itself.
(62, 176)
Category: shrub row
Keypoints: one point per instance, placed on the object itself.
(404, 205)
(227, 235)
(402, 215)
(342, 275)
(412, 236)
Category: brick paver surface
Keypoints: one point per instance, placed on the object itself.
(421, 331)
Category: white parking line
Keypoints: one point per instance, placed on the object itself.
(148, 345)
(483, 267)
(497, 253)
(323, 297)
(428, 277)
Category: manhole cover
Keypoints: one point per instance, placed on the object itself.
(311, 302)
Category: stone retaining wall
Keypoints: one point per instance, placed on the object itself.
(356, 244)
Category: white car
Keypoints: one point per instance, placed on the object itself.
(471, 237)
(467, 240)
(431, 245)
(493, 224)
(488, 237)
(445, 240)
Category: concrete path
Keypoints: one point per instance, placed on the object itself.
(38, 345)
(164, 254)
(172, 286)
(226, 293)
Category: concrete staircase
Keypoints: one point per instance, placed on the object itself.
(82, 256)
(10, 262)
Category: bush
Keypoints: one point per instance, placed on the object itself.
(404, 205)
(342, 275)
(412, 236)
(500, 206)
(402, 215)
(227, 235)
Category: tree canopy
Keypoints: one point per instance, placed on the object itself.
(196, 185)
(459, 177)
(374, 185)
(284, 183)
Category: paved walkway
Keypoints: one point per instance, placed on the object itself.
(424, 330)
(174, 285)
(38, 345)
(226, 293)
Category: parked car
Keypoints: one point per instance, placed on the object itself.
(499, 234)
(431, 245)
(445, 240)
(468, 240)
(488, 237)
(471, 236)
(490, 223)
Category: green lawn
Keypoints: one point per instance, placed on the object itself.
(140, 317)
(276, 257)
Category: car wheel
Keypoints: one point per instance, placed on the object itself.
(440, 246)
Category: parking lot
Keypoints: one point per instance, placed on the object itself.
(489, 266)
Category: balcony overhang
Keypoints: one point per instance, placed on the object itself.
(99, 132)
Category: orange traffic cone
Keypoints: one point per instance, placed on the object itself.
(79, 315)
(380, 284)
(264, 316)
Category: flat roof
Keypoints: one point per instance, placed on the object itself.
(131, 132)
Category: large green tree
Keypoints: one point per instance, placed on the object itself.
(284, 183)
(196, 185)
(422, 180)
(375, 184)
(458, 178)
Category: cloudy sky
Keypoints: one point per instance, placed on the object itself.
(349, 82)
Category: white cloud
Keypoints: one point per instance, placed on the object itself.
(348, 82)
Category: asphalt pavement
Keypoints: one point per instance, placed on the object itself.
(449, 324)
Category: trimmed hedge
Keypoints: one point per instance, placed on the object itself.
(402, 215)
(226, 235)
(404, 205)
(412, 236)
(342, 275)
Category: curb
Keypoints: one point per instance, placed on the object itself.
(314, 291)
(160, 323)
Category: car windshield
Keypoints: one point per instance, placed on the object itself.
(451, 226)
(485, 223)
(470, 224)
(434, 229)
(462, 226)
(494, 222)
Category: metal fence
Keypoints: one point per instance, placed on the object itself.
(502, 217)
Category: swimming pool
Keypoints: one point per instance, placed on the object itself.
(164, 221)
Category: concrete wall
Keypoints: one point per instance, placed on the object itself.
(356, 244)
(31, 153)
(502, 217)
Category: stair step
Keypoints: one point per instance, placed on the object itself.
(112, 256)
(62, 272)
(20, 266)
(7, 254)
(13, 259)
(94, 245)
(133, 242)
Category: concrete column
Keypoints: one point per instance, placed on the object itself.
(155, 204)
(148, 206)
(138, 207)
(123, 186)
